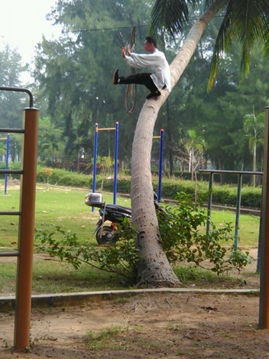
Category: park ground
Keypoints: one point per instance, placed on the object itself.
(185, 326)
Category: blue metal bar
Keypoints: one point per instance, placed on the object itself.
(160, 165)
(116, 155)
(209, 203)
(7, 158)
(238, 205)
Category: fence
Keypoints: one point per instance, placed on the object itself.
(240, 175)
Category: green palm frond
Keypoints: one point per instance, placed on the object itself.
(245, 21)
(170, 14)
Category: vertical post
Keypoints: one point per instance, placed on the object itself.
(238, 206)
(264, 272)
(95, 154)
(160, 165)
(26, 231)
(209, 203)
(7, 158)
(116, 155)
(258, 267)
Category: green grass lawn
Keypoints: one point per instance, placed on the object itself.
(65, 207)
(248, 226)
(54, 206)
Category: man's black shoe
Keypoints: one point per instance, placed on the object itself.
(153, 95)
(115, 78)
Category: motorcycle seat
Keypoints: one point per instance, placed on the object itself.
(120, 209)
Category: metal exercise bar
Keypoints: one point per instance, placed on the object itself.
(209, 203)
(26, 223)
(106, 129)
(9, 254)
(11, 172)
(238, 205)
(26, 232)
(7, 158)
(264, 257)
(257, 173)
(116, 155)
(238, 200)
(161, 137)
(10, 213)
(17, 89)
(11, 130)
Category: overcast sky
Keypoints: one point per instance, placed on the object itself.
(22, 23)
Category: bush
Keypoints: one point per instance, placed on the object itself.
(120, 258)
(182, 240)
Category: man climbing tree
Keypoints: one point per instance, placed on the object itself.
(156, 80)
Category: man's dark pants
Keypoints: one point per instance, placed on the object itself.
(140, 79)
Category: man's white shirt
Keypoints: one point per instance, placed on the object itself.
(157, 65)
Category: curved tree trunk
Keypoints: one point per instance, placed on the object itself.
(154, 268)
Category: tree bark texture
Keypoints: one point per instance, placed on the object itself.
(154, 269)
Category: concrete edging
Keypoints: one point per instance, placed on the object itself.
(68, 299)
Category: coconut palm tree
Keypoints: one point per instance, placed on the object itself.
(245, 21)
(253, 127)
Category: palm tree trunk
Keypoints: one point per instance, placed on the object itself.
(154, 268)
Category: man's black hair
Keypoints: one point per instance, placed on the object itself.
(150, 40)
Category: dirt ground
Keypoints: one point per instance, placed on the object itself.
(184, 326)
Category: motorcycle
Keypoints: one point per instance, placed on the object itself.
(110, 216)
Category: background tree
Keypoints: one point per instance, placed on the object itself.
(254, 129)
(75, 72)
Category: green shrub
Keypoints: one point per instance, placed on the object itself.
(182, 239)
(120, 258)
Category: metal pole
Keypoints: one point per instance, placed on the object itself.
(258, 267)
(95, 154)
(26, 232)
(264, 272)
(116, 155)
(238, 206)
(209, 203)
(160, 165)
(7, 157)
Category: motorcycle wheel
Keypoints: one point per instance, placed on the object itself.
(105, 235)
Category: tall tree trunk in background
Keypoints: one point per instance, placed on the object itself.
(154, 268)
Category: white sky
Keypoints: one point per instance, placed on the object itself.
(22, 23)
